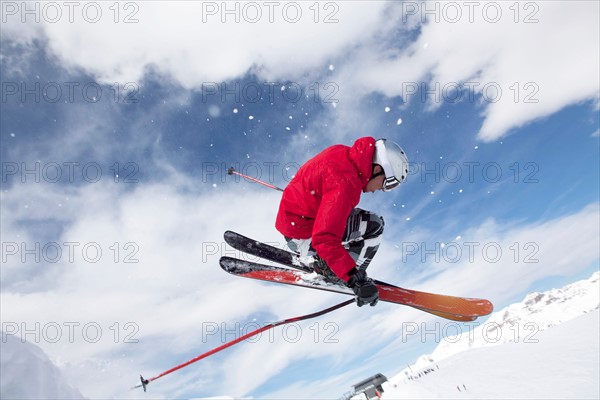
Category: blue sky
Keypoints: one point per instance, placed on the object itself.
(115, 140)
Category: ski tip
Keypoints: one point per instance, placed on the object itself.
(490, 307)
(230, 170)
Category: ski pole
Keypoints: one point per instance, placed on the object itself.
(145, 382)
(232, 171)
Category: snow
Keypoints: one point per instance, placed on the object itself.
(552, 368)
(543, 347)
(26, 372)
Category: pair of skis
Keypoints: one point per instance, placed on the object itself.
(298, 274)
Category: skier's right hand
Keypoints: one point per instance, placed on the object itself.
(364, 288)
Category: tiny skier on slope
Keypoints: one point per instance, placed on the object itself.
(318, 215)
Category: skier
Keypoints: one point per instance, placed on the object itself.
(317, 213)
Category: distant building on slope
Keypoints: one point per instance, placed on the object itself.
(369, 388)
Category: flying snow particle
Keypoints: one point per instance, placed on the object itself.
(407, 218)
(214, 111)
(235, 110)
(458, 237)
(476, 147)
(251, 117)
(387, 109)
(460, 191)
(12, 134)
(399, 121)
(331, 67)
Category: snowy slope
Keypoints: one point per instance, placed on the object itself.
(562, 364)
(26, 372)
(543, 347)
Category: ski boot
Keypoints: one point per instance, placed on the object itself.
(320, 267)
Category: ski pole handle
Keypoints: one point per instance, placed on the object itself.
(232, 171)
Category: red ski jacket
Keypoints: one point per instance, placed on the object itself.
(318, 200)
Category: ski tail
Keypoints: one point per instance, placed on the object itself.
(271, 253)
(263, 250)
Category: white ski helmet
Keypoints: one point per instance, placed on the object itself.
(394, 162)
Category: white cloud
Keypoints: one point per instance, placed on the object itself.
(202, 42)
(542, 56)
(177, 241)
(540, 67)
(498, 260)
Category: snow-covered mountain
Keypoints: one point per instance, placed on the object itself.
(26, 372)
(545, 346)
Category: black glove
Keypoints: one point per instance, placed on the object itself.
(364, 288)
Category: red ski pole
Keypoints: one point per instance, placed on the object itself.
(232, 171)
(145, 382)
